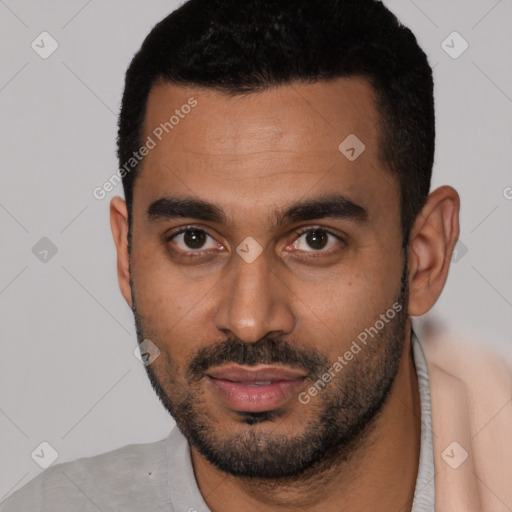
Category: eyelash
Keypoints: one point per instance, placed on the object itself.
(298, 234)
(318, 253)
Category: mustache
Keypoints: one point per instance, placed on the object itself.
(267, 350)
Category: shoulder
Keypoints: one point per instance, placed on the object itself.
(471, 404)
(469, 361)
(122, 479)
(466, 371)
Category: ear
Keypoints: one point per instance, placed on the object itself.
(119, 225)
(433, 238)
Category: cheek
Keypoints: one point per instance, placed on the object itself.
(161, 292)
(172, 308)
(340, 308)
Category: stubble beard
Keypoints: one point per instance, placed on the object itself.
(338, 423)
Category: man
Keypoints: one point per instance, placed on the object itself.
(277, 234)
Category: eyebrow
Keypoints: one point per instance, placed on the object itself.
(330, 206)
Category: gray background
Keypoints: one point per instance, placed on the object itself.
(68, 375)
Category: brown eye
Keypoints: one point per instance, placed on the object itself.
(194, 239)
(316, 240)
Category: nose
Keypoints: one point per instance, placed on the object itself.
(254, 301)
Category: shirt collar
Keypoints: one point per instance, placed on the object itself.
(424, 491)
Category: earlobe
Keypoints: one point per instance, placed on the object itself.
(432, 241)
(119, 226)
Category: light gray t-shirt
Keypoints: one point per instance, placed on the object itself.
(158, 477)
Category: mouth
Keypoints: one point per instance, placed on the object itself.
(257, 389)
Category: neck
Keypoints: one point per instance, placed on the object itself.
(380, 474)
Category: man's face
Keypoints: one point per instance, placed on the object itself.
(244, 335)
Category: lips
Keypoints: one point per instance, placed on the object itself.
(257, 389)
(236, 373)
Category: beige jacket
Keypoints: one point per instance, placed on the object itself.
(471, 400)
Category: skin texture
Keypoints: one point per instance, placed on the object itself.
(253, 155)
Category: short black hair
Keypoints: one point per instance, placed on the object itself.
(244, 46)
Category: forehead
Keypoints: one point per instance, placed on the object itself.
(265, 147)
(274, 119)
